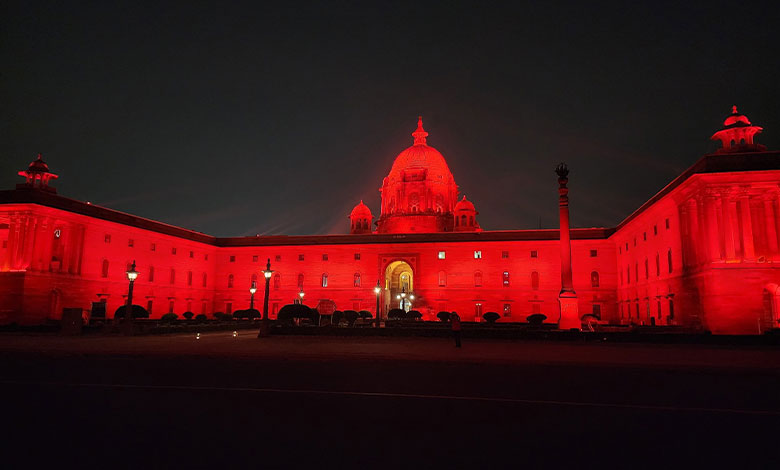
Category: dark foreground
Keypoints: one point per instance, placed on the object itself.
(177, 402)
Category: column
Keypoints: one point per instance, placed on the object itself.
(713, 230)
(685, 234)
(697, 249)
(748, 246)
(26, 254)
(771, 229)
(729, 218)
(567, 299)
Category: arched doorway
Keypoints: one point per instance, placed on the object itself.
(399, 278)
(55, 308)
(770, 317)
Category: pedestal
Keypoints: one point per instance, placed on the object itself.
(570, 316)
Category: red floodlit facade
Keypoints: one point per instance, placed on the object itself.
(702, 253)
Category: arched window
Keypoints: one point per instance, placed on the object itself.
(535, 280)
(189, 278)
(300, 281)
(324, 279)
(463, 220)
(277, 280)
(505, 278)
(104, 269)
(594, 279)
(151, 273)
(442, 279)
(204, 280)
(356, 280)
(231, 278)
(657, 264)
(669, 259)
(253, 281)
(173, 276)
(478, 279)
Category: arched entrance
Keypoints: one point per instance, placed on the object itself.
(399, 278)
(770, 317)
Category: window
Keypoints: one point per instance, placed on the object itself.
(534, 254)
(149, 304)
(477, 279)
(130, 242)
(107, 238)
(594, 279)
(504, 254)
(626, 246)
(300, 257)
(253, 280)
(206, 257)
(647, 269)
(205, 278)
(505, 278)
(594, 253)
(669, 259)
(356, 306)
(189, 306)
(621, 277)
(228, 307)
(671, 309)
(300, 281)
(628, 274)
(507, 310)
(442, 255)
(171, 304)
(634, 241)
(597, 311)
(203, 307)
(535, 280)
(104, 269)
(536, 307)
(173, 275)
(153, 247)
(477, 312)
(442, 279)
(275, 308)
(644, 236)
(255, 258)
(232, 258)
(278, 258)
(277, 280)
(620, 250)
(667, 224)
(151, 273)
(658, 308)
(324, 257)
(356, 280)
(324, 279)
(357, 256)
(657, 264)
(189, 279)
(192, 254)
(173, 251)
(477, 254)
(655, 229)
(231, 279)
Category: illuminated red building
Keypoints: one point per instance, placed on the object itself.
(703, 252)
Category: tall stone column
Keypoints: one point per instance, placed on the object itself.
(771, 229)
(713, 231)
(696, 249)
(569, 315)
(729, 218)
(748, 247)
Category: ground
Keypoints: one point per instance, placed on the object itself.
(177, 401)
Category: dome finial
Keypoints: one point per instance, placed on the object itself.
(734, 109)
(420, 134)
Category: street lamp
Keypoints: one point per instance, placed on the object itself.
(377, 291)
(300, 295)
(264, 326)
(132, 275)
(252, 291)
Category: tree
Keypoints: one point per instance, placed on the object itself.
(536, 319)
(138, 312)
(351, 316)
(188, 315)
(201, 317)
(338, 315)
(443, 316)
(218, 315)
(396, 314)
(291, 312)
(365, 315)
(169, 317)
(491, 317)
(414, 315)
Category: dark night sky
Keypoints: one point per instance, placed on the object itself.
(242, 118)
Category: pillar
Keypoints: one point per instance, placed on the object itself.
(771, 229)
(713, 230)
(748, 247)
(569, 314)
(696, 248)
(729, 218)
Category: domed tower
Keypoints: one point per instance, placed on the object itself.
(466, 217)
(737, 134)
(360, 219)
(419, 194)
(37, 176)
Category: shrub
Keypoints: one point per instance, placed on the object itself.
(491, 317)
(188, 315)
(338, 315)
(315, 316)
(536, 319)
(138, 312)
(365, 315)
(351, 316)
(252, 313)
(291, 312)
(201, 317)
(443, 316)
(217, 315)
(413, 315)
(169, 318)
(222, 316)
(396, 314)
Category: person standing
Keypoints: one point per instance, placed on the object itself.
(455, 321)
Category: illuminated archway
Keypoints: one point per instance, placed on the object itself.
(771, 311)
(399, 277)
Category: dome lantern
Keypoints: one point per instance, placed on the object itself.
(737, 134)
(37, 176)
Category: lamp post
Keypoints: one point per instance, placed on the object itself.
(264, 326)
(403, 298)
(300, 296)
(132, 274)
(252, 291)
(378, 291)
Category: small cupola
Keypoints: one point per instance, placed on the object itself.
(360, 219)
(38, 176)
(466, 216)
(737, 134)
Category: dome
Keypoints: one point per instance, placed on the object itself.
(464, 205)
(38, 165)
(421, 156)
(736, 119)
(361, 211)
